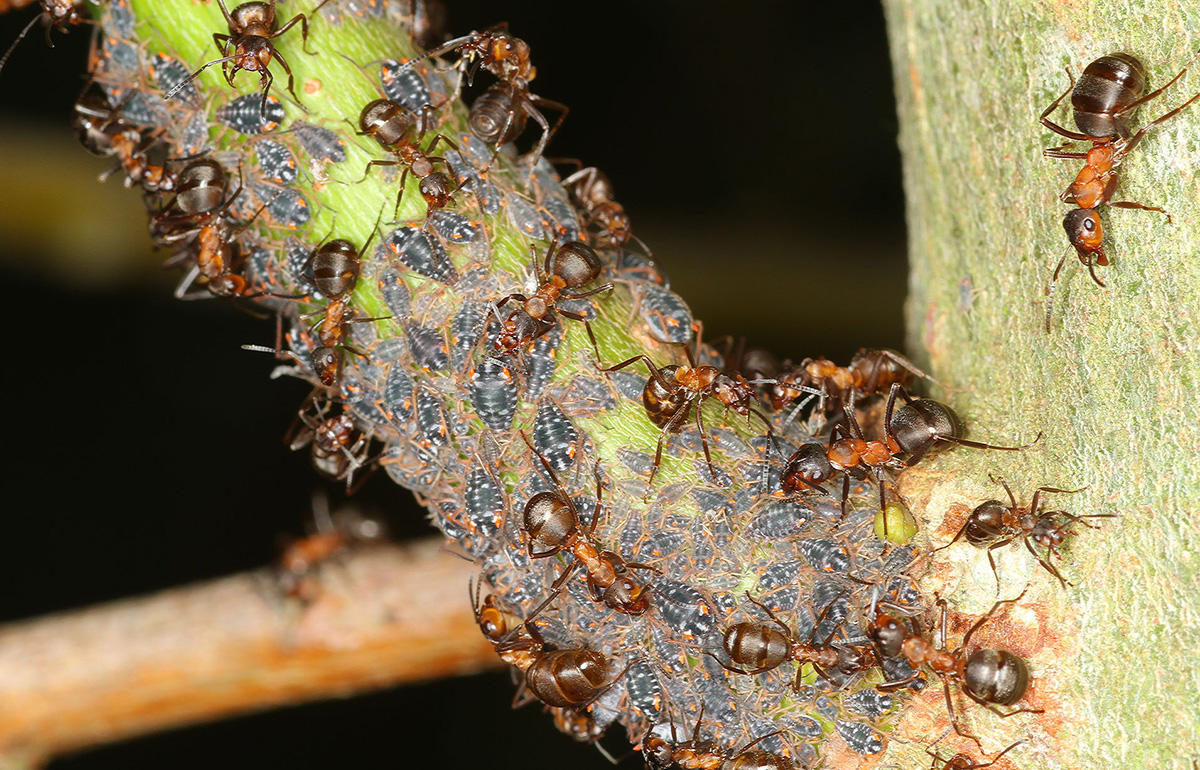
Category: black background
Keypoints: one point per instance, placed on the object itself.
(145, 447)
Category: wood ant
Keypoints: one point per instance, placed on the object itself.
(334, 535)
(761, 647)
(991, 678)
(102, 131)
(566, 270)
(560, 678)
(252, 27)
(552, 524)
(593, 194)
(962, 761)
(872, 372)
(399, 131)
(697, 754)
(506, 57)
(1109, 89)
(994, 525)
(673, 392)
(339, 448)
(57, 14)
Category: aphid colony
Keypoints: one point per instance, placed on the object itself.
(711, 582)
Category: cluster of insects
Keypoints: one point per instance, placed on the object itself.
(438, 357)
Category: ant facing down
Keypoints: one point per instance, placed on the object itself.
(248, 46)
(1107, 92)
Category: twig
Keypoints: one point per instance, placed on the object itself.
(383, 615)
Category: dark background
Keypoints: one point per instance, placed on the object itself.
(754, 146)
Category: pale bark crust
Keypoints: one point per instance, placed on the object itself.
(1113, 386)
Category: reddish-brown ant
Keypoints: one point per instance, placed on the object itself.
(994, 525)
(962, 761)
(697, 754)
(1107, 92)
(673, 392)
(559, 678)
(399, 131)
(506, 57)
(991, 678)
(762, 647)
(57, 14)
(252, 27)
(553, 524)
(566, 270)
(334, 535)
(339, 448)
(871, 372)
(593, 194)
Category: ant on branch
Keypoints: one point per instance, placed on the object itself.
(566, 269)
(991, 678)
(994, 525)
(696, 754)
(762, 647)
(673, 392)
(1109, 89)
(252, 27)
(553, 525)
(500, 114)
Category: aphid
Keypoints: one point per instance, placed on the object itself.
(525, 217)
(860, 737)
(276, 161)
(452, 226)
(493, 390)
(431, 419)
(465, 329)
(399, 131)
(555, 437)
(484, 502)
(509, 103)
(404, 85)
(684, 609)
(567, 269)
(667, 315)
(991, 678)
(552, 524)
(1109, 90)
(319, 142)
(994, 525)
(672, 393)
(427, 346)
(248, 46)
(286, 205)
(395, 293)
(414, 249)
(398, 395)
(243, 115)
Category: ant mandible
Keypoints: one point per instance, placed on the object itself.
(1109, 89)
(252, 27)
(994, 525)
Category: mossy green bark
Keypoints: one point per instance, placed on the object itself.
(1113, 386)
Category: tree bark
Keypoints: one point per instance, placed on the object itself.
(1113, 384)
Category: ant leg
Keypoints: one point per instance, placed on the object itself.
(988, 616)
(291, 82)
(1046, 564)
(303, 28)
(954, 716)
(1044, 118)
(1091, 266)
(1142, 207)
(712, 471)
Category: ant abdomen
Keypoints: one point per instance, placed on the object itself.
(1105, 90)
(567, 677)
(996, 676)
(986, 524)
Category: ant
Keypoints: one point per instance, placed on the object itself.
(101, 131)
(57, 15)
(593, 194)
(566, 678)
(399, 131)
(673, 392)
(871, 372)
(252, 27)
(333, 536)
(991, 678)
(762, 647)
(994, 525)
(696, 754)
(913, 429)
(552, 523)
(336, 266)
(566, 269)
(1109, 89)
(506, 57)
(339, 448)
(962, 761)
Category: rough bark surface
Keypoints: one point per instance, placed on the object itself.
(1113, 385)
